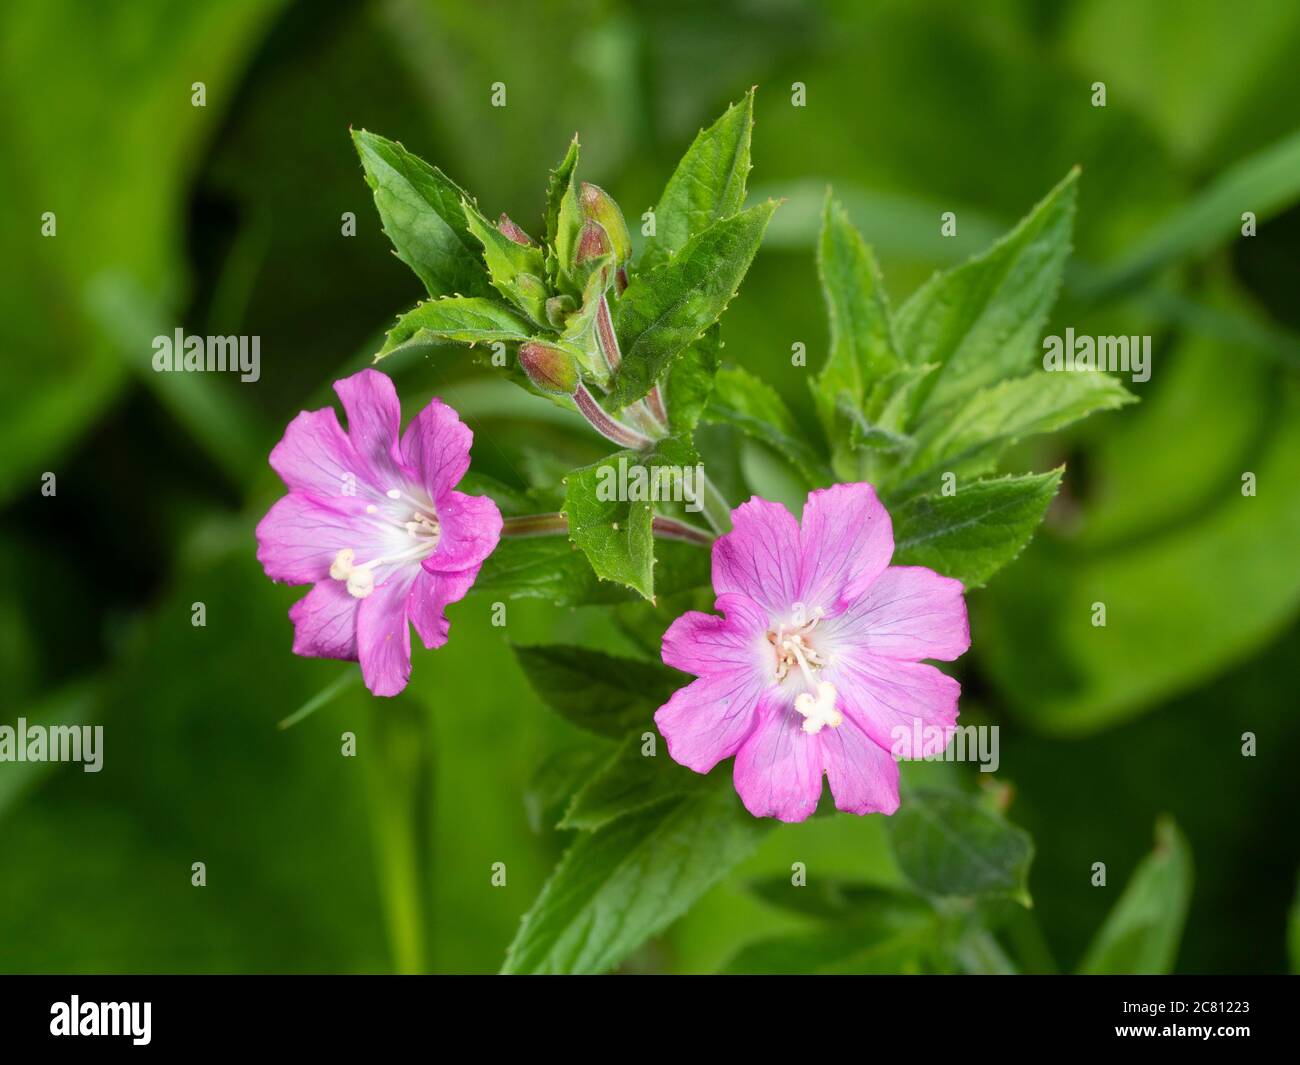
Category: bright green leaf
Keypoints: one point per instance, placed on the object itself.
(421, 210)
(627, 782)
(666, 310)
(975, 532)
(516, 270)
(616, 887)
(753, 406)
(707, 186)
(981, 322)
(456, 319)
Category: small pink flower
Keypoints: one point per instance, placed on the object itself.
(815, 667)
(377, 526)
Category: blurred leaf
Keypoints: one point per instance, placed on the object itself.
(890, 935)
(421, 210)
(840, 901)
(604, 694)
(968, 438)
(982, 321)
(1142, 932)
(629, 781)
(753, 406)
(553, 784)
(863, 354)
(666, 310)
(618, 886)
(1266, 183)
(974, 533)
(707, 186)
(951, 844)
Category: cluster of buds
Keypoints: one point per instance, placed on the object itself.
(594, 259)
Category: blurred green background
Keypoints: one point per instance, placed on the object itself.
(227, 219)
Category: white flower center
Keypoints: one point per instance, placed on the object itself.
(422, 533)
(793, 648)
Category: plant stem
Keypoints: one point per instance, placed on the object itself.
(717, 511)
(650, 417)
(608, 427)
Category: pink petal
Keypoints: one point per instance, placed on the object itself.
(900, 705)
(847, 541)
(705, 643)
(384, 635)
(315, 456)
(759, 558)
(908, 612)
(470, 528)
(436, 446)
(300, 536)
(374, 420)
(708, 720)
(325, 622)
(863, 775)
(430, 593)
(779, 766)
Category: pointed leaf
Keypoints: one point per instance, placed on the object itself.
(458, 319)
(707, 186)
(420, 208)
(753, 406)
(666, 310)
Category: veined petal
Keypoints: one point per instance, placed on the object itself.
(759, 558)
(778, 769)
(847, 540)
(901, 705)
(436, 446)
(704, 644)
(708, 720)
(470, 528)
(430, 593)
(384, 633)
(374, 419)
(863, 775)
(300, 536)
(325, 623)
(315, 456)
(908, 612)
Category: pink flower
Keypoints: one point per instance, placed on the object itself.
(377, 526)
(815, 667)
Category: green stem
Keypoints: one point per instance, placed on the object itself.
(717, 511)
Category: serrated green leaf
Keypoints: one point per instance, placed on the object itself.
(863, 354)
(456, 319)
(951, 844)
(627, 782)
(421, 212)
(689, 383)
(516, 270)
(974, 533)
(981, 322)
(560, 182)
(753, 406)
(1141, 933)
(708, 184)
(616, 887)
(968, 438)
(666, 310)
(616, 534)
(606, 694)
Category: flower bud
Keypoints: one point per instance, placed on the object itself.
(509, 229)
(598, 206)
(551, 369)
(593, 243)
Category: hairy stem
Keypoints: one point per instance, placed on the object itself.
(608, 427)
(556, 524)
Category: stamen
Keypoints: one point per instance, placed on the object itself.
(361, 581)
(819, 711)
(342, 564)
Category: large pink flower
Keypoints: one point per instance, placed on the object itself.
(815, 667)
(376, 524)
